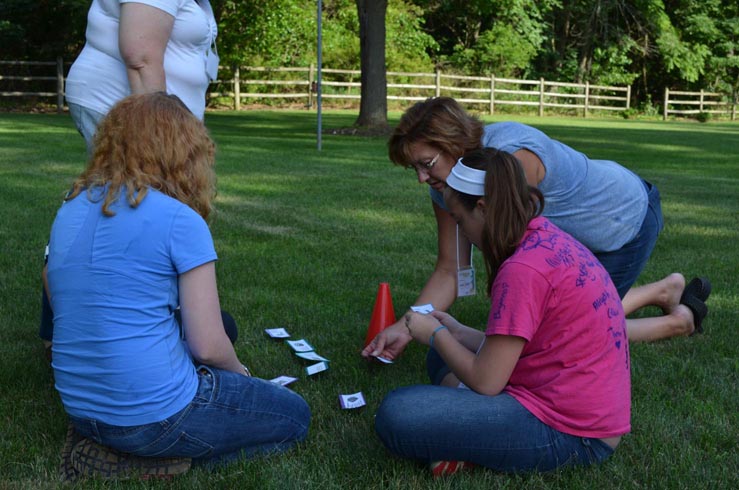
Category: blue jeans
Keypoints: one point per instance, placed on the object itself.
(625, 264)
(86, 121)
(432, 423)
(230, 416)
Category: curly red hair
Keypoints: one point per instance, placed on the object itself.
(151, 141)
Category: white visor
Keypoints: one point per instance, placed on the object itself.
(467, 180)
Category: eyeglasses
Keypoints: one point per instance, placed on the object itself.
(430, 164)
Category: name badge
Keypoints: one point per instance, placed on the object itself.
(466, 282)
(211, 65)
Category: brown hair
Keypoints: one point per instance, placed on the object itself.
(439, 122)
(151, 141)
(510, 203)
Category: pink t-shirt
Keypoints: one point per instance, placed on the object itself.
(573, 373)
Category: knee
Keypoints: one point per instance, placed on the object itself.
(303, 416)
(397, 413)
(298, 414)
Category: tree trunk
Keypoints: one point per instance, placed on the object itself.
(373, 104)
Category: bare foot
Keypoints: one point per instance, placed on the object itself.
(682, 320)
(672, 289)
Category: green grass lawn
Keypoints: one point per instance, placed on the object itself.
(305, 237)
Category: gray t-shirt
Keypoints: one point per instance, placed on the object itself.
(599, 202)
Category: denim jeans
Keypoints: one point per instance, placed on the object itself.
(86, 120)
(432, 423)
(230, 416)
(625, 264)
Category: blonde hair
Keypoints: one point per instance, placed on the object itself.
(151, 141)
(439, 122)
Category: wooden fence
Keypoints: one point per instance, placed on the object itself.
(254, 84)
(697, 103)
(249, 84)
(24, 73)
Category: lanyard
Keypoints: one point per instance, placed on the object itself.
(471, 249)
(466, 275)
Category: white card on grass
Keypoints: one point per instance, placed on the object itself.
(311, 356)
(283, 380)
(316, 368)
(277, 333)
(354, 400)
(300, 345)
(383, 360)
(425, 309)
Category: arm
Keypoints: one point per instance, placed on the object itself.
(470, 338)
(143, 34)
(440, 290)
(488, 371)
(532, 166)
(201, 320)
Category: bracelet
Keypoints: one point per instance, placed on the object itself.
(246, 370)
(431, 339)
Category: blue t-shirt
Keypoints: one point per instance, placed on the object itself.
(599, 202)
(117, 353)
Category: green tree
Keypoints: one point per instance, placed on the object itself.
(406, 44)
(42, 29)
(408, 47)
(373, 102)
(486, 36)
(681, 56)
(723, 66)
(267, 32)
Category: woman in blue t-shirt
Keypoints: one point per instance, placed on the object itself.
(128, 247)
(605, 206)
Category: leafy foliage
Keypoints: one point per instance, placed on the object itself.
(652, 44)
(42, 29)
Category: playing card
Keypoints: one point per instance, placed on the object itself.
(383, 360)
(316, 368)
(300, 345)
(277, 333)
(425, 309)
(311, 356)
(355, 400)
(283, 380)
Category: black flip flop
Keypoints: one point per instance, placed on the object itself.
(694, 297)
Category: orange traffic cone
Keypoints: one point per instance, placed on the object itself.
(383, 314)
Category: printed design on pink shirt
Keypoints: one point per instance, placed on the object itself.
(619, 339)
(607, 302)
(535, 240)
(562, 256)
(500, 304)
(617, 336)
(601, 300)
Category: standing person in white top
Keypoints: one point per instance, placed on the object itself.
(142, 46)
(137, 47)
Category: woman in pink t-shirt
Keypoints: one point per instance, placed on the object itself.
(547, 383)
